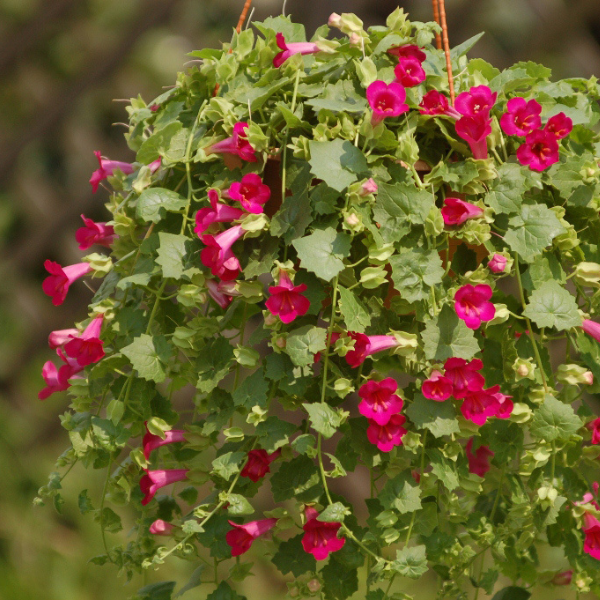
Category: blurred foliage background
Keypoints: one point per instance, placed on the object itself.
(64, 65)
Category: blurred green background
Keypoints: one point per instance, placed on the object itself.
(63, 63)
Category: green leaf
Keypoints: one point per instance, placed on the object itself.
(323, 418)
(544, 268)
(339, 97)
(532, 230)
(158, 143)
(443, 469)
(338, 163)
(224, 592)
(108, 435)
(398, 207)
(463, 48)
(256, 96)
(84, 502)
(157, 591)
(194, 581)
(555, 421)
(291, 557)
(401, 493)
(292, 219)
(274, 433)
(213, 536)
(213, 364)
(426, 520)
(238, 505)
(171, 254)
(299, 479)
(414, 270)
(252, 391)
(110, 520)
(512, 592)
(334, 513)
(551, 305)
(322, 252)
(303, 343)
(154, 203)
(566, 175)
(339, 582)
(354, 311)
(506, 195)
(228, 464)
(410, 562)
(148, 356)
(438, 417)
(446, 336)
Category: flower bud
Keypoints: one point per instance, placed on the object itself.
(588, 273)
(573, 375)
(246, 357)
(356, 39)
(280, 342)
(373, 277)
(343, 387)
(563, 578)
(314, 585)
(524, 368)
(271, 319)
(335, 20)
(368, 187)
(352, 221)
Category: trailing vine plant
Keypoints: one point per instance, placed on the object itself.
(322, 268)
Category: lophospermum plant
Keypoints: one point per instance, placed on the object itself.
(320, 262)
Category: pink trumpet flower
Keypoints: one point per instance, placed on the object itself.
(237, 144)
(241, 537)
(216, 292)
(286, 299)
(595, 427)
(152, 442)
(379, 400)
(479, 463)
(57, 380)
(152, 481)
(365, 345)
(87, 348)
(456, 211)
(409, 72)
(385, 437)
(474, 130)
(94, 233)
(478, 406)
(107, 169)
(472, 305)
(386, 100)
(521, 117)
(497, 264)
(218, 255)
(464, 376)
(435, 103)
(591, 529)
(560, 126)
(539, 151)
(258, 464)
(289, 49)
(478, 101)
(217, 213)
(160, 527)
(251, 193)
(437, 387)
(57, 284)
(591, 328)
(408, 51)
(320, 538)
(61, 336)
(368, 187)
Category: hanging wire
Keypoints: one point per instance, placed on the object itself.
(436, 16)
(283, 8)
(444, 24)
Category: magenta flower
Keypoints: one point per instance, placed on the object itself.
(94, 233)
(563, 578)
(106, 169)
(386, 100)
(478, 406)
(408, 51)
(379, 400)
(464, 376)
(368, 187)
(456, 211)
(290, 49)
(160, 527)
(57, 380)
(479, 463)
(409, 72)
(88, 348)
(474, 130)
(241, 537)
(435, 103)
(539, 151)
(497, 263)
(385, 437)
(217, 213)
(478, 101)
(591, 328)
(364, 346)
(286, 299)
(152, 481)
(61, 336)
(216, 292)
(218, 255)
(237, 144)
(560, 126)
(505, 405)
(472, 305)
(595, 427)
(437, 387)
(258, 464)
(251, 192)
(320, 538)
(521, 117)
(57, 284)
(152, 442)
(591, 529)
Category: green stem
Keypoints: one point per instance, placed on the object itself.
(536, 352)
(104, 490)
(389, 587)
(329, 334)
(322, 469)
(422, 472)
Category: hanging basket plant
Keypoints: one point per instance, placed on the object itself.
(364, 289)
